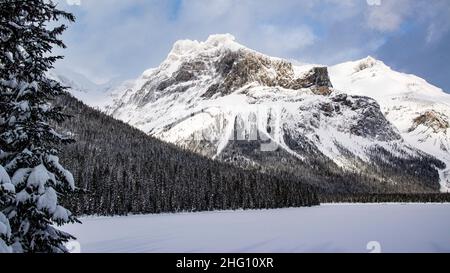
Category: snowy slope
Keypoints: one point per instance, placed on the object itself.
(418, 109)
(225, 101)
(328, 228)
(93, 94)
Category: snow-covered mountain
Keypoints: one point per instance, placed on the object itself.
(419, 110)
(93, 94)
(225, 101)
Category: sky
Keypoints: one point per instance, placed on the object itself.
(120, 39)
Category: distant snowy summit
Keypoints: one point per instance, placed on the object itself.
(228, 102)
(419, 110)
(93, 94)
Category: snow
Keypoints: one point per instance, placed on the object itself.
(373, 78)
(186, 49)
(5, 181)
(4, 248)
(5, 231)
(48, 201)
(93, 94)
(61, 214)
(189, 47)
(22, 196)
(54, 161)
(12, 83)
(327, 228)
(9, 55)
(8, 187)
(4, 225)
(24, 106)
(20, 176)
(38, 177)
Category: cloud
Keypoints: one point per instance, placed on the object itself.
(73, 2)
(389, 14)
(278, 41)
(123, 38)
(440, 25)
(374, 2)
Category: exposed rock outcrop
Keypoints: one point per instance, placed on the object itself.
(239, 68)
(436, 121)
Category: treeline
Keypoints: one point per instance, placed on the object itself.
(119, 169)
(386, 198)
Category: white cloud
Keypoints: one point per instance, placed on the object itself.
(118, 37)
(73, 2)
(440, 24)
(389, 15)
(281, 40)
(374, 2)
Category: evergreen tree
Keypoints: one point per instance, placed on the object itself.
(7, 191)
(27, 141)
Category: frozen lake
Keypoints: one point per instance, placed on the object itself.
(327, 228)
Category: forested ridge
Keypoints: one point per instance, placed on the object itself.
(386, 198)
(119, 169)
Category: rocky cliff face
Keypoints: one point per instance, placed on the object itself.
(225, 71)
(230, 103)
(239, 68)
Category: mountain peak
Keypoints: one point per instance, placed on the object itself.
(216, 39)
(214, 42)
(367, 62)
(370, 59)
(229, 66)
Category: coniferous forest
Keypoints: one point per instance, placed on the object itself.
(386, 198)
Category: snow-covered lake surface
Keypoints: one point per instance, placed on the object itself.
(327, 228)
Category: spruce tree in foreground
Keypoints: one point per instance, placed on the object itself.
(7, 191)
(27, 142)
